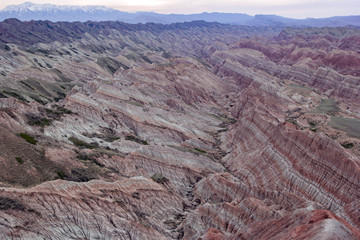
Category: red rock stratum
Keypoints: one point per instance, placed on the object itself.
(183, 131)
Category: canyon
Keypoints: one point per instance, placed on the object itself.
(182, 131)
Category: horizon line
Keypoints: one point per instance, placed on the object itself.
(160, 13)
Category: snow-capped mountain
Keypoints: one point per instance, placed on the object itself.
(30, 11)
(28, 6)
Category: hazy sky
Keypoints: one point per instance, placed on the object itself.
(287, 8)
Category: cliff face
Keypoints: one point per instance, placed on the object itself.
(186, 131)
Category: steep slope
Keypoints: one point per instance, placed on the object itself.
(180, 131)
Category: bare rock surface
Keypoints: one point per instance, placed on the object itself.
(182, 131)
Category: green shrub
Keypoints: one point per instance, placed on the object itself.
(135, 139)
(2, 95)
(85, 157)
(199, 150)
(223, 118)
(293, 121)
(27, 85)
(159, 178)
(15, 95)
(80, 175)
(62, 110)
(8, 203)
(57, 112)
(28, 138)
(347, 145)
(82, 144)
(38, 121)
(7, 48)
(312, 124)
(112, 139)
(19, 160)
(90, 158)
(60, 174)
(39, 100)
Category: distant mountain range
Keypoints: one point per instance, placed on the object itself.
(30, 11)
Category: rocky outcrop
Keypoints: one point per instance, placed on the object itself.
(128, 208)
(333, 72)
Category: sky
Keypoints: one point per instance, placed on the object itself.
(286, 8)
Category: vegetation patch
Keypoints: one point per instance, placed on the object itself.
(39, 100)
(15, 95)
(74, 50)
(90, 158)
(327, 106)
(159, 178)
(35, 83)
(61, 77)
(312, 126)
(77, 175)
(85, 157)
(28, 138)
(348, 145)
(60, 174)
(110, 64)
(80, 175)
(43, 91)
(51, 114)
(107, 138)
(203, 62)
(7, 48)
(27, 85)
(107, 134)
(35, 120)
(60, 96)
(112, 138)
(8, 112)
(9, 203)
(196, 151)
(57, 111)
(135, 103)
(43, 51)
(132, 57)
(199, 150)
(2, 95)
(146, 59)
(135, 139)
(82, 144)
(172, 223)
(301, 90)
(223, 118)
(141, 215)
(350, 125)
(293, 121)
(19, 160)
(166, 54)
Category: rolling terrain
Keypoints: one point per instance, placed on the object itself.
(183, 131)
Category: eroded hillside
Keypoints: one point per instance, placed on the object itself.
(181, 131)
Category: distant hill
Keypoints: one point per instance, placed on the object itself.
(30, 11)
